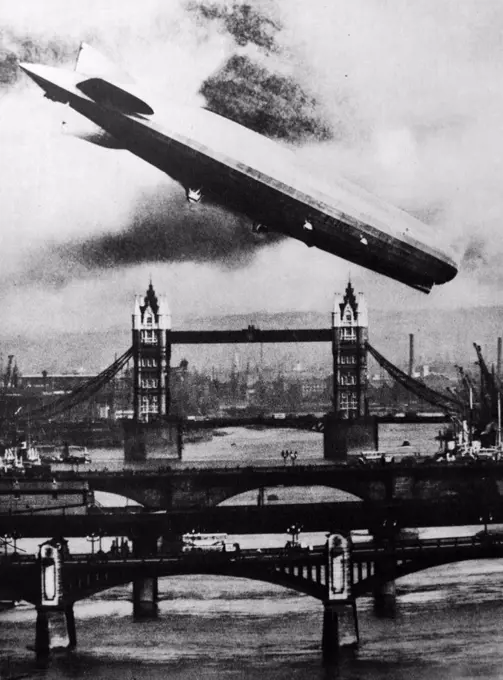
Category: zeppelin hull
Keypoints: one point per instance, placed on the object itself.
(259, 180)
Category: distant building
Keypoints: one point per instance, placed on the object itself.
(350, 329)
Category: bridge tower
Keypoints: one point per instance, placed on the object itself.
(151, 356)
(152, 433)
(348, 428)
(350, 335)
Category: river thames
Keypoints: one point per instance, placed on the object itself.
(448, 622)
(448, 625)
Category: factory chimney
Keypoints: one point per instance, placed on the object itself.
(498, 362)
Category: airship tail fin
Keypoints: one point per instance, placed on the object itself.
(91, 62)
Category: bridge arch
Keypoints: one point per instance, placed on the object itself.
(283, 494)
(297, 577)
(407, 567)
(84, 579)
(107, 499)
(167, 488)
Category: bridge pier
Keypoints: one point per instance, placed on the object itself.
(145, 588)
(145, 597)
(340, 618)
(384, 589)
(340, 627)
(70, 626)
(55, 624)
(55, 629)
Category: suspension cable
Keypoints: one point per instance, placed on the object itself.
(448, 403)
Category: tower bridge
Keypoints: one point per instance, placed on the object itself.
(155, 431)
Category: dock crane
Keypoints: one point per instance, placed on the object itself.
(490, 395)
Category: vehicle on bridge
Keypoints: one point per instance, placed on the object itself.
(198, 542)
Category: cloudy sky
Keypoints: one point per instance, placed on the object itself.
(404, 98)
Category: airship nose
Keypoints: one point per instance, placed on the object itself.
(37, 72)
(30, 69)
(54, 82)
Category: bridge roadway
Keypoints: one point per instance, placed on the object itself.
(180, 487)
(328, 517)
(302, 570)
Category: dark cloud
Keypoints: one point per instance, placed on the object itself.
(254, 93)
(15, 47)
(475, 254)
(243, 22)
(164, 228)
(168, 229)
(265, 101)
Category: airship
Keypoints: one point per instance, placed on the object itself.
(218, 161)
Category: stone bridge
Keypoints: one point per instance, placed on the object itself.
(203, 487)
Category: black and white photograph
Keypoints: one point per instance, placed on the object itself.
(251, 339)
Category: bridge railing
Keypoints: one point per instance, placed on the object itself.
(372, 546)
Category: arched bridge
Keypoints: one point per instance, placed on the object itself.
(303, 570)
(84, 576)
(173, 488)
(319, 573)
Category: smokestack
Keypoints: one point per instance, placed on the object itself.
(411, 354)
(498, 362)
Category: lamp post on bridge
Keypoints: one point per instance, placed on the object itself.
(15, 536)
(294, 531)
(11, 539)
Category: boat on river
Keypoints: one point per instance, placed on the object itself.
(20, 458)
